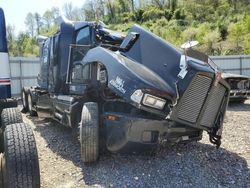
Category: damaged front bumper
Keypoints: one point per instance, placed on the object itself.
(238, 95)
(129, 133)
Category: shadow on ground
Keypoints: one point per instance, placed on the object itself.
(236, 106)
(191, 165)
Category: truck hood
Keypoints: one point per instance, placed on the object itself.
(156, 54)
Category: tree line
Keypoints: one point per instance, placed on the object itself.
(222, 27)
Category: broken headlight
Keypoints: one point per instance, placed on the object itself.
(154, 102)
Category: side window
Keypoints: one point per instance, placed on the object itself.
(83, 36)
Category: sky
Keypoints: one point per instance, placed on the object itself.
(17, 10)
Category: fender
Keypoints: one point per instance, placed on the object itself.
(126, 75)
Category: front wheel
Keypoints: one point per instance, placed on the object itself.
(89, 132)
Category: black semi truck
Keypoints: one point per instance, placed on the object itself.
(126, 93)
(19, 165)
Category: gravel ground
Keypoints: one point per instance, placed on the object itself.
(192, 165)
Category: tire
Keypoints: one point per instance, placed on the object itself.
(10, 116)
(20, 164)
(25, 100)
(242, 101)
(31, 105)
(1, 171)
(89, 132)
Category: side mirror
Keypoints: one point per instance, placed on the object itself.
(129, 40)
(41, 39)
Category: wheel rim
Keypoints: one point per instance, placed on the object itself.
(24, 101)
(2, 170)
(30, 102)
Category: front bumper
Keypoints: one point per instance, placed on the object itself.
(129, 133)
(238, 95)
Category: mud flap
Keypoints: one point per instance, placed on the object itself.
(215, 133)
(215, 139)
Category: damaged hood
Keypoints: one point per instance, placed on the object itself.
(156, 54)
(165, 60)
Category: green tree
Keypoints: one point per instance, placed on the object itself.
(236, 34)
(247, 44)
(12, 45)
(30, 23)
(71, 12)
(22, 40)
(50, 16)
(38, 22)
(189, 34)
(159, 3)
(202, 30)
(211, 38)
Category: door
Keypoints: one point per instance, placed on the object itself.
(79, 76)
(54, 64)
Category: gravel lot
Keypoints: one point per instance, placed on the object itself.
(192, 165)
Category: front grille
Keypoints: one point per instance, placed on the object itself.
(193, 100)
(201, 99)
(212, 105)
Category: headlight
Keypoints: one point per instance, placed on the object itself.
(152, 101)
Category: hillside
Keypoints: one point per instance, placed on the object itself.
(222, 27)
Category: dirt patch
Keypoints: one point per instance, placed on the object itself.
(192, 165)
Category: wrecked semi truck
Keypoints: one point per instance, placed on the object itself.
(19, 166)
(240, 87)
(130, 92)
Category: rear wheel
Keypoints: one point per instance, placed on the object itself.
(25, 100)
(89, 132)
(31, 110)
(1, 171)
(19, 163)
(242, 101)
(11, 116)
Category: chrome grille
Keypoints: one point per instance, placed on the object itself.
(194, 98)
(212, 105)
